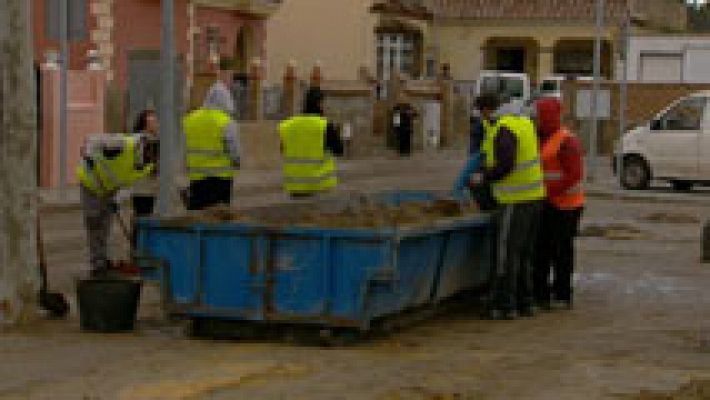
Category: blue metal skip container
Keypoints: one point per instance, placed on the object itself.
(330, 277)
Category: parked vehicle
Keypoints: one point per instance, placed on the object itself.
(551, 87)
(514, 88)
(673, 147)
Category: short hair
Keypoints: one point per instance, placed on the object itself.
(488, 101)
(313, 101)
(141, 123)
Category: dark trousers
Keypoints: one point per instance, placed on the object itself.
(97, 220)
(404, 139)
(511, 286)
(555, 253)
(209, 192)
(143, 206)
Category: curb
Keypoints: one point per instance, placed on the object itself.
(647, 197)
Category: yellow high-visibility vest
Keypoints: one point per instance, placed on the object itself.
(307, 167)
(526, 182)
(105, 176)
(205, 148)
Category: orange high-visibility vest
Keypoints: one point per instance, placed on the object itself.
(572, 198)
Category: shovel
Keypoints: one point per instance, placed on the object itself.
(126, 267)
(55, 303)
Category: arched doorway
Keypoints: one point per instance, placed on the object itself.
(512, 54)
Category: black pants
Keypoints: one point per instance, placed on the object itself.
(555, 253)
(511, 286)
(404, 139)
(143, 206)
(209, 192)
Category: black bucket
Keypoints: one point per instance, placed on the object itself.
(108, 305)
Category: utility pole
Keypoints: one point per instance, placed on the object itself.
(19, 274)
(167, 196)
(594, 140)
(63, 94)
(623, 92)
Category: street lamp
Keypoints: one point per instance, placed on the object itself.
(168, 112)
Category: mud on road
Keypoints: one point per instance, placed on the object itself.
(640, 330)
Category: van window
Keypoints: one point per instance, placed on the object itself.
(507, 88)
(549, 86)
(684, 116)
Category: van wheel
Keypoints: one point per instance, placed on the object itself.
(635, 175)
(682, 186)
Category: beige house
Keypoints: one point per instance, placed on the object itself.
(539, 37)
(340, 34)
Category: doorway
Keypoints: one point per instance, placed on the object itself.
(511, 59)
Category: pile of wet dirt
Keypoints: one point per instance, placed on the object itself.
(671, 218)
(693, 390)
(360, 215)
(615, 231)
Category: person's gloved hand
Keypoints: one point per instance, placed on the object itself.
(476, 180)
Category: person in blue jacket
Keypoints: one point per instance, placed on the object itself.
(474, 162)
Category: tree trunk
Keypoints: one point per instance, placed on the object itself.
(19, 274)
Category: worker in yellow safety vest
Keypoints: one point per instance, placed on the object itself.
(212, 149)
(513, 172)
(109, 163)
(309, 143)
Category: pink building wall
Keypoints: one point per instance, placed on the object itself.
(137, 27)
(230, 23)
(85, 108)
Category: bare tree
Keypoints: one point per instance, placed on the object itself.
(19, 275)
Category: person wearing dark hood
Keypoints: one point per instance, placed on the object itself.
(562, 159)
(512, 170)
(146, 128)
(308, 143)
(403, 116)
(212, 149)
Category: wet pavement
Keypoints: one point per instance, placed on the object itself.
(640, 329)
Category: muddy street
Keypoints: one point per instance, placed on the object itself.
(640, 330)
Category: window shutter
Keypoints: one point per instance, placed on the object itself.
(51, 15)
(77, 20)
(77, 27)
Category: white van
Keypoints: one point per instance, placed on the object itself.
(514, 88)
(673, 147)
(551, 86)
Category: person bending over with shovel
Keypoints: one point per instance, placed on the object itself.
(109, 162)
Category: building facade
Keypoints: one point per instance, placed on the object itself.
(669, 58)
(538, 37)
(125, 37)
(340, 35)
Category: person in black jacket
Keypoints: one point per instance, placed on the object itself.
(314, 105)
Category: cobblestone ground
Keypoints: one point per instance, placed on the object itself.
(641, 323)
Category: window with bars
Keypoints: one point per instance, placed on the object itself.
(397, 52)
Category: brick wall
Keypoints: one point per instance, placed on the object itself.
(352, 102)
(664, 14)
